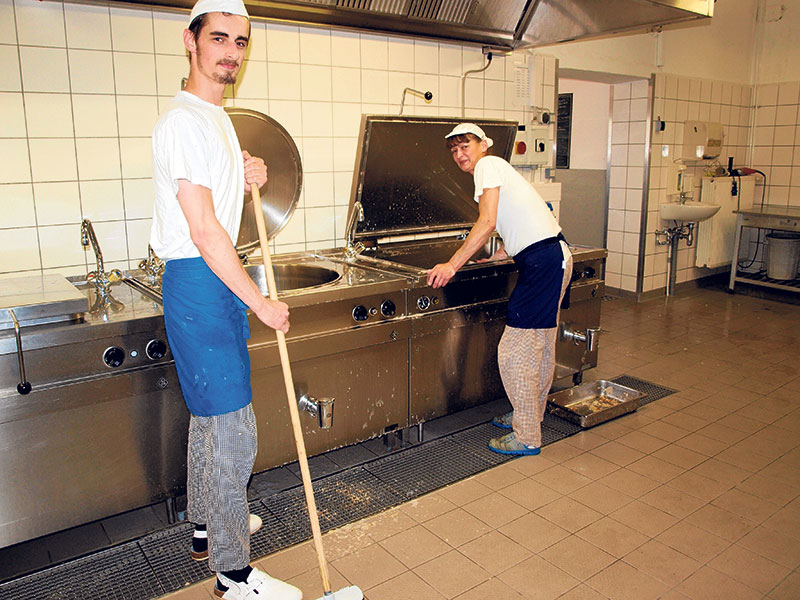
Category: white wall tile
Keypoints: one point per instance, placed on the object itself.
(450, 60)
(169, 72)
(15, 166)
(346, 84)
(473, 93)
(138, 194)
(374, 52)
(112, 239)
(137, 157)
(638, 110)
(88, 27)
(20, 249)
(400, 54)
(345, 49)
(786, 115)
(102, 200)
(12, 115)
(374, 86)
(252, 80)
(317, 119)
(283, 43)
(426, 57)
(640, 88)
(17, 203)
(135, 74)
(315, 46)
(285, 112)
(44, 69)
(295, 230)
(168, 33)
(317, 189)
(57, 203)
(344, 153)
(98, 158)
(91, 72)
(95, 115)
(450, 92)
(317, 154)
(284, 81)
(60, 246)
(622, 91)
(315, 82)
(398, 81)
(257, 46)
(131, 30)
(342, 188)
(53, 160)
(137, 115)
(320, 224)
(39, 24)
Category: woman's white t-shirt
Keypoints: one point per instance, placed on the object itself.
(523, 217)
(194, 140)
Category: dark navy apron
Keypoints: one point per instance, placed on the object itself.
(534, 302)
(207, 330)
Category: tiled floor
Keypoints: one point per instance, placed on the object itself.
(696, 495)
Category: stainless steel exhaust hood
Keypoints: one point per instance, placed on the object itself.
(499, 24)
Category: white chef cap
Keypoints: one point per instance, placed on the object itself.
(234, 7)
(465, 128)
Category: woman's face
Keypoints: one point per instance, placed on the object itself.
(467, 154)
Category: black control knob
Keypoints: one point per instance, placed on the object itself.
(388, 309)
(360, 313)
(423, 303)
(156, 349)
(589, 272)
(114, 356)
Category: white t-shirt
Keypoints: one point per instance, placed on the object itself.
(523, 217)
(194, 140)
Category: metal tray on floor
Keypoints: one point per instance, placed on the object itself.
(593, 403)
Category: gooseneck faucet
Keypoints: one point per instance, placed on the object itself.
(102, 281)
(351, 249)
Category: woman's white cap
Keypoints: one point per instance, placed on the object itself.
(465, 128)
(234, 7)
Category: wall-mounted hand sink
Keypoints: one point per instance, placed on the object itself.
(688, 211)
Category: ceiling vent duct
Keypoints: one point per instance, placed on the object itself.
(499, 24)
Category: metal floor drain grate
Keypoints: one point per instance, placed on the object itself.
(119, 573)
(653, 390)
(160, 563)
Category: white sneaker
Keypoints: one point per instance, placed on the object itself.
(255, 523)
(259, 586)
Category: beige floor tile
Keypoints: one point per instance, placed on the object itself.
(672, 501)
(629, 483)
(585, 440)
(702, 444)
(703, 411)
(685, 421)
(569, 514)
(562, 479)
(785, 520)
(612, 430)
(534, 532)
(644, 518)
(311, 584)
(452, 574)
(577, 557)
(741, 423)
(612, 536)
(744, 458)
(663, 431)
(721, 433)
(693, 541)
(531, 465)
(680, 456)
(787, 589)
(387, 523)
(721, 522)
(725, 473)
(662, 562)
(464, 491)
(495, 509)
(674, 595)
(368, 567)
(746, 505)
(404, 586)
(495, 552)
(701, 487)
(500, 477)
(427, 507)
(749, 568)
(457, 527)
(347, 539)
(530, 494)
(622, 582)
(641, 441)
(493, 588)
(601, 497)
(655, 410)
(198, 591)
(710, 584)
(618, 453)
(774, 545)
(561, 451)
(582, 592)
(290, 562)
(591, 466)
(415, 546)
(655, 469)
(537, 579)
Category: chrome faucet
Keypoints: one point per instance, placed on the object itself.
(351, 249)
(153, 268)
(102, 281)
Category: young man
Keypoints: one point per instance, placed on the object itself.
(532, 237)
(201, 175)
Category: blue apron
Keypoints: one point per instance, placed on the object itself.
(535, 300)
(207, 330)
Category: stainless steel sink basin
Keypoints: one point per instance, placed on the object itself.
(424, 255)
(292, 276)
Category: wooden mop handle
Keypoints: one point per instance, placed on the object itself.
(290, 396)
